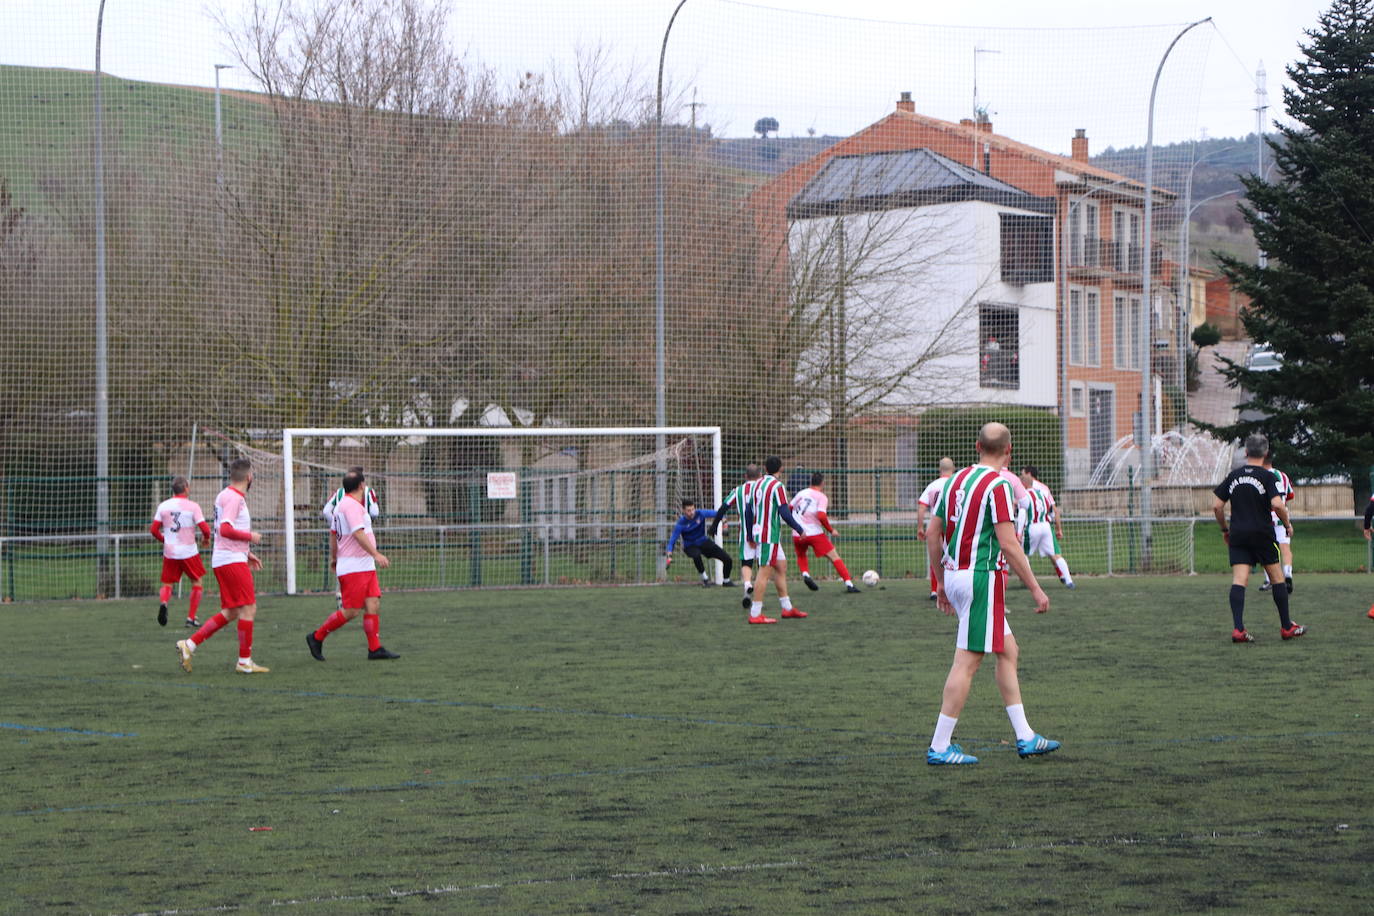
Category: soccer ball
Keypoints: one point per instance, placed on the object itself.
(870, 578)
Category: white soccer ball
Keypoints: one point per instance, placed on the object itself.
(870, 577)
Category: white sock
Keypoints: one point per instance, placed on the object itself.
(704, 577)
(806, 575)
(1288, 571)
(245, 661)
(786, 603)
(1063, 566)
(944, 731)
(191, 643)
(1017, 715)
(756, 610)
(849, 582)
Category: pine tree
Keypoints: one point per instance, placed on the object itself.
(1314, 301)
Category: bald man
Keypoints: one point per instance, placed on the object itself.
(926, 504)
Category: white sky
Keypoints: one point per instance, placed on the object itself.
(834, 69)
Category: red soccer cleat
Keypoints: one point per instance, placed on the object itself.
(1293, 632)
(762, 619)
(1371, 613)
(792, 612)
(1241, 636)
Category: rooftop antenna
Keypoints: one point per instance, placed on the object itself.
(979, 115)
(1261, 106)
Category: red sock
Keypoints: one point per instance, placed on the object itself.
(371, 625)
(164, 594)
(331, 623)
(245, 639)
(933, 584)
(209, 628)
(196, 594)
(842, 570)
(802, 565)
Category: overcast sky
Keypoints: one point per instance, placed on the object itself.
(831, 66)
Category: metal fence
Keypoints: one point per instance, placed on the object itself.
(503, 555)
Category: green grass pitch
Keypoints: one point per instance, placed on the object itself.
(617, 750)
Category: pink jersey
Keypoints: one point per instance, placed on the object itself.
(231, 506)
(1017, 487)
(808, 506)
(350, 517)
(179, 518)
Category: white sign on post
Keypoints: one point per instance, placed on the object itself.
(501, 485)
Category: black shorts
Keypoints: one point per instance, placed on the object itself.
(1259, 549)
(705, 549)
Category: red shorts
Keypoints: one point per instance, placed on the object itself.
(235, 585)
(173, 570)
(357, 587)
(820, 543)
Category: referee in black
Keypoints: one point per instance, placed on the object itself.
(1252, 492)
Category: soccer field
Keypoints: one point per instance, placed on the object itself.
(643, 750)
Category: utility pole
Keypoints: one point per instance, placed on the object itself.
(1261, 106)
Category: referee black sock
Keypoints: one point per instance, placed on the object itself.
(1281, 602)
(1238, 606)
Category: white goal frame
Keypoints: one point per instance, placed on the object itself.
(289, 435)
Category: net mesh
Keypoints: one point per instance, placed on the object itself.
(874, 235)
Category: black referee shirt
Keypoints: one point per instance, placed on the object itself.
(1250, 489)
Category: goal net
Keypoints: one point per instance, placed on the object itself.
(468, 507)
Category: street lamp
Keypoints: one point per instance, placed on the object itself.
(1185, 291)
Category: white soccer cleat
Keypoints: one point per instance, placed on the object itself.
(250, 667)
(184, 654)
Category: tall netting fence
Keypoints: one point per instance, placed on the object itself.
(860, 236)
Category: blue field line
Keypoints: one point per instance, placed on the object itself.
(408, 784)
(65, 730)
(469, 704)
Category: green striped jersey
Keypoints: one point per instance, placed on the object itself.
(768, 495)
(737, 499)
(972, 503)
(1039, 510)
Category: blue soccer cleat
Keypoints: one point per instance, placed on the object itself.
(951, 755)
(1035, 745)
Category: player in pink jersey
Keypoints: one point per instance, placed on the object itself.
(926, 504)
(175, 523)
(809, 507)
(233, 561)
(972, 537)
(358, 560)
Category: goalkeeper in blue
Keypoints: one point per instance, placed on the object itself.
(691, 527)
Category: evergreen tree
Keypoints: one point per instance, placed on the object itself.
(1314, 301)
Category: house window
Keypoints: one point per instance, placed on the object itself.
(999, 346)
(1126, 240)
(1092, 320)
(1027, 249)
(1126, 319)
(1084, 249)
(1078, 399)
(1085, 307)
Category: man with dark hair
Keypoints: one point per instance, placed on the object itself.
(766, 511)
(809, 506)
(358, 561)
(1253, 493)
(691, 527)
(970, 542)
(737, 499)
(374, 508)
(1041, 518)
(233, 561)
(175, 523)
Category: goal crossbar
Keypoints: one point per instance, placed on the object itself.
(291, 434)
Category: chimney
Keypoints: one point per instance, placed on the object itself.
(905, 104)
(1079, 146)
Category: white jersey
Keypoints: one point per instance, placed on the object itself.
(350, 518)
(807, 507)
(180, 518)
(231, 506)
(374, 508)
(932, 492)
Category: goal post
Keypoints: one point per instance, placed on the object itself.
(569, 495)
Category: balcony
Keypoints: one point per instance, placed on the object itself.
(1101, 258)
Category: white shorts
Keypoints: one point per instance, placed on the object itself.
(747, 553)
(1281, 535)
(1040, 540)
(978, 597)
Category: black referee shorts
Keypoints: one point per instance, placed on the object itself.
(1259, 549)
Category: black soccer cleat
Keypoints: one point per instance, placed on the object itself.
(851, 590)
(381, 652)
(747, 602)
(193, 623)
(706, 583)
(811, 583)
(316, 646)
(727, 583)
(162, 614)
